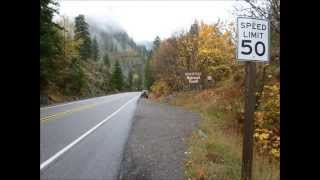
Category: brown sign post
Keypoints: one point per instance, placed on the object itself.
(247, 149)
(252, 46)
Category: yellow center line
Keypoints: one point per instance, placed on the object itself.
(59, 114)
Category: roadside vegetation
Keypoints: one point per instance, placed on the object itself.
(215, 147)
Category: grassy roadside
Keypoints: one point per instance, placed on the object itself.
(215, 146)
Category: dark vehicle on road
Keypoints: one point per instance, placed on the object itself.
(144, 94)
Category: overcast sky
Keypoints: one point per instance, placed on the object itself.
(144, 20)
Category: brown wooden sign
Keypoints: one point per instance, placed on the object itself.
(193, 77)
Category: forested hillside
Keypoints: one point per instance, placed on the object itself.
(78, 57)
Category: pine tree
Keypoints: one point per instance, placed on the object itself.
(95, 49)
(156, 43)
(130, 79)
(117, 77)
(147, 75)
(82, 34)
(48, 30)
(194, 29)
(50, 42)
(106, 60)
(139, 81)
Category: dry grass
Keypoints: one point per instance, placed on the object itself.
(215, 147)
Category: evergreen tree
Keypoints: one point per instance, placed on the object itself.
(139, 81)
(95, 49)
(106, 60)
(130, 79)
(194, 29)
(79, 79)
(50, 42)
(156, 43)
(147, 75)
(82, 34)
(117, 77)
(48, 30)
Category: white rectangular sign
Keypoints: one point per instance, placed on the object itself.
(253, 39)
(193, 77)
(193, 80)
(193, 73)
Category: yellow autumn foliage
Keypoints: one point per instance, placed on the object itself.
(215, 51)
(267, 121)
(160, 88)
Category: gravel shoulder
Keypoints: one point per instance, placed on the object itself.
(156, 146)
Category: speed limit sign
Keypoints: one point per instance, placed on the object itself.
(253, 39)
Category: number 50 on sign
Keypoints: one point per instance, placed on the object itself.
(253, 39)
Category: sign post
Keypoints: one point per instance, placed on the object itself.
(252, 46)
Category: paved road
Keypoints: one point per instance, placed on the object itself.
(85, 139)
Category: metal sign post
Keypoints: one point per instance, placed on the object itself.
(252, 46)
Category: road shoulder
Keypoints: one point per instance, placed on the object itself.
(156, 145)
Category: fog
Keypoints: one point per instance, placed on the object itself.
(104, 23)
(144, 20)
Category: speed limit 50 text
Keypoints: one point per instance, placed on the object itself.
(253, 39)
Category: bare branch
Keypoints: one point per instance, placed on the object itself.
(258, 9)
(274, 5)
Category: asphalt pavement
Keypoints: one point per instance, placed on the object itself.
(85, 139)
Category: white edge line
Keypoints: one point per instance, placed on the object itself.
(69, 146)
